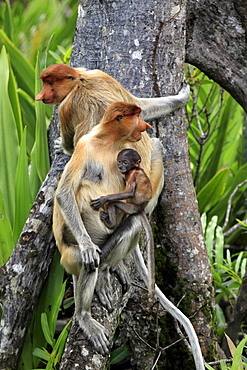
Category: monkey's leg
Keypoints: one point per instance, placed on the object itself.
(115, 249)
(83, 292)
(110, 218)
(125, 236)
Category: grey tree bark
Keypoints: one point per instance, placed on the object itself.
(216, 43)
(143, 45)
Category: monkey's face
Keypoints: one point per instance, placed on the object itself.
(139, 125)
(58, 80)
(124, 166)
(54, 92)
(127, 161)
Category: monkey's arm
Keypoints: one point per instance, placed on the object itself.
(126, 194)
(66, 200)
(157, 107)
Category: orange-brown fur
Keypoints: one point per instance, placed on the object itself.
(143, 190)
(102, 145)
(83, 99)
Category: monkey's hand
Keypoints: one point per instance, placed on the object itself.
(99, 202)
(90, 257)
(184, 93)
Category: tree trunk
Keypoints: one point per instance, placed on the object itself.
(143, 46)
(216, 43)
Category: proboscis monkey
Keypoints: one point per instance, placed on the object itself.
(84, 95)
(137, 193)
(80, 234)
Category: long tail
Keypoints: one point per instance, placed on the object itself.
(173, 310)
(150, 254)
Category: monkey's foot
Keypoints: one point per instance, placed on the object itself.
(103, 289)
(123, 275)
(58, 146)
(95, 332)
(105, 218)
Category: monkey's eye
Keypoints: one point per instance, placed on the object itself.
(70, 77)
(49, 82)
(119, 117)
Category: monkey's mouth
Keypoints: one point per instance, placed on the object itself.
(46, 101)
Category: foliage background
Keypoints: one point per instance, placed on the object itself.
(35, 34)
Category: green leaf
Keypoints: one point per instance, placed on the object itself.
(9, 143)
(221, 320)
(59, 345)
(29, 118)
(68, 302)
(209, 367)
(238, 353)
(204, 222)
(48, 303)
(6, 239)
(56, 56)
(222, 130)
(55, 308)
(119, 354)
(8, 21)
(212, 191)
(209, 237)
(242, 223)
(24, 71)
(12, 88)
(41, 151)
(41, 353)
(22, 186)
(219, 245)
(46, 329)
(243, 268)
(223, 365)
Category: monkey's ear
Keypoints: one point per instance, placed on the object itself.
(119, 117)
(70, 77)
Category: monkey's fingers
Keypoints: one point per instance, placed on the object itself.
(104, 289)
(101, 342)
(91, 259)
(105, 297)
(99, 202)
(123, 275)
(96, 204)
(96, 333)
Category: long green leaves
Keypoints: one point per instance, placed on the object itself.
(45, 28)
(18, 185)
(22, 203)
(217, 152)
(9, 143)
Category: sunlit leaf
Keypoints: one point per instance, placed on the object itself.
(9, 143)
(24, 71)
(212, 191)
(6, 238)
(22, 186)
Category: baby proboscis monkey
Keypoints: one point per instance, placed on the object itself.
(137, 194)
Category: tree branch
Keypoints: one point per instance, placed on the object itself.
(23, 276)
